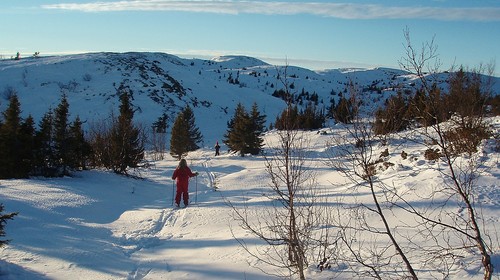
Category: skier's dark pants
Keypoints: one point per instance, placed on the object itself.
(182, 191)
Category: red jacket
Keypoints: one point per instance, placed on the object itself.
(182, 175)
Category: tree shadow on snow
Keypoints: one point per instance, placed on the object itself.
(12, 271)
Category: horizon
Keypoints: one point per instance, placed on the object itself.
(316, 34)
(271, 61)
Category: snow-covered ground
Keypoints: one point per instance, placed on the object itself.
(99, 225)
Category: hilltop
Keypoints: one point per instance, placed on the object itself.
(164, 84)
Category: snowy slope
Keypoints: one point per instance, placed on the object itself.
(164, 84)
(98, 225)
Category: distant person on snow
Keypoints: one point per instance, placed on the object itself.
(182, 173)
(217, 148)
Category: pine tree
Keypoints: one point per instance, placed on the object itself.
(158, 139)
(78, 147)
(185, 135)
(3, 221)
(245, 130)
(180, 138)
(257, 127)
(344, 111)
(393, 117)
(236, 137)
(311, 118)
(61, 151)
(44, 159)
(195, 136)
(288, 119)
(26, 152)
(9, 140)
(127, 142)
(160, 125)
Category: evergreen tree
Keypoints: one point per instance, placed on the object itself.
(311, 118)
(417, 107)
(194, 134)
(9, 140)
(53, 145)
(428, 107)
(185, 135)
(292, 119)
(344, 111)
(394, 117)
(180, 137)
(288, 119)
(44, 158)
(160, 125)
(245, 130)
(60, 122)
(26, 152)
(3, 221)
(78, 147)
(127, 141)
(466, 97)
(158, 139)
(236, 137)
(257, 127)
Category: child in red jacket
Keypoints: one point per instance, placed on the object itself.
(182, 173)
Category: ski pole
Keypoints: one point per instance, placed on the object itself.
(173, 187)
(196, 193)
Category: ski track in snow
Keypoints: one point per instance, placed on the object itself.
(153, 232)
(169, 224)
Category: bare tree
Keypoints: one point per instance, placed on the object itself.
(291, 225)
(99, 133)
(354, 156)
(158, 144)
(461, 172)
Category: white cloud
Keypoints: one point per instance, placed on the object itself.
(335, 10)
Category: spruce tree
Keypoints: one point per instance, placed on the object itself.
(16, 142)
(195, 136)
(127, 143)
(185, 134)
(344, 111)
(236, 137)
(311, 118)
(245, 130)
(3, 221)
(392, 118)
(9, 140)
(180, 137)
(44, 159)
(257, 127)
(61, 151)
(26, 152)
(288, 119)
(78, 146)
(161, 124)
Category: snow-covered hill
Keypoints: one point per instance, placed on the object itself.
(164, 84)
(99, 225)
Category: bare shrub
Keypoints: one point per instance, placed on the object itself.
(432, 154)
(404, 155)
(465, 106)
(465, 139)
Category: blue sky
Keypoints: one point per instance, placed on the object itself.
(316, 34)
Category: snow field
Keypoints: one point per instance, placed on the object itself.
(98, 225)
